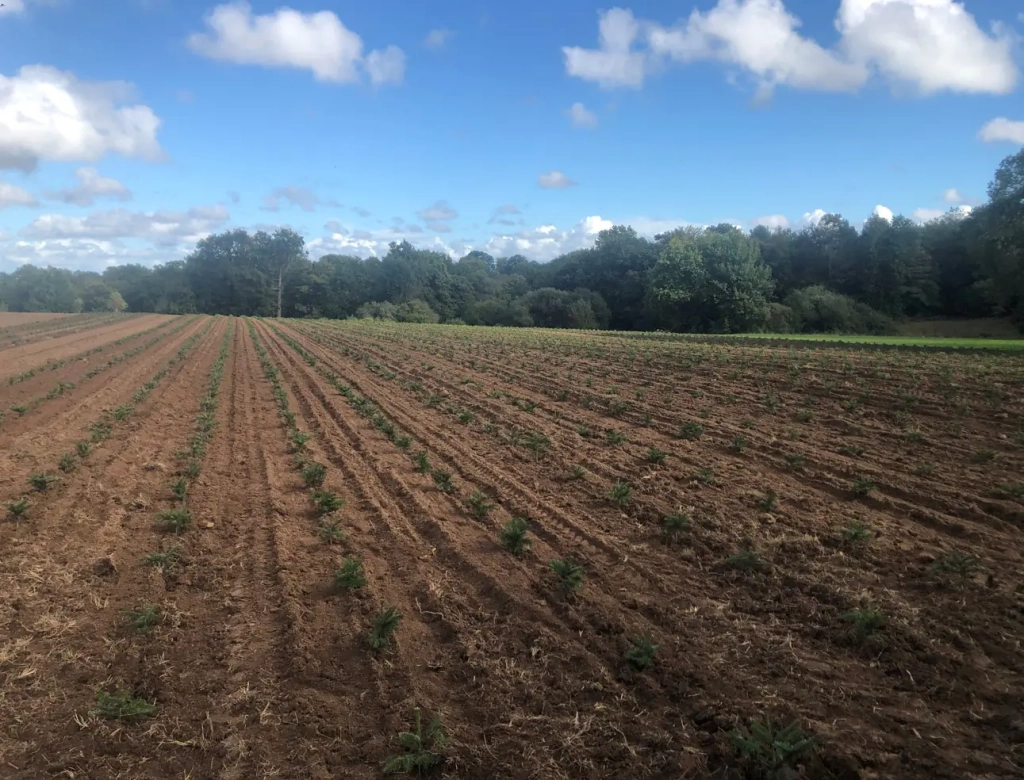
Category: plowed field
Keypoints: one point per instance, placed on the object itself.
(830, 538)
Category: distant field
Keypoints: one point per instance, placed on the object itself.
(894, 341)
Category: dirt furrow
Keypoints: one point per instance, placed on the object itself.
(71, 571)
(22, 358)
(37, 443)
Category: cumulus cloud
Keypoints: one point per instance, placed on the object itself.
(953, 196)
(386, 67)
(882, 211)
(924, 215)
(930, 45)
(304, 198)
(91, 186)
(48, 114)
(163, 228)
(615, 63)
(1003, 129)
(438, 216)
(772, 221)
(581, 116)
(287, 38)
(11, 195)
(436, 39)
(812, 218)
(555, 180)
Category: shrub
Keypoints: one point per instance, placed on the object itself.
(569, 574)
(419, 746)
(817, 309)
(641, 653)
(350, 575)
(383, 627)
(773, 753)
(513, 536)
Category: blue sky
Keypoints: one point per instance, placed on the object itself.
(127, 133)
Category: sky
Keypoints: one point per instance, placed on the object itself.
(130, 129)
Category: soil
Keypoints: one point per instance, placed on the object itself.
(259, 665)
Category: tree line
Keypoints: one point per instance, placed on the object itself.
(825, 277)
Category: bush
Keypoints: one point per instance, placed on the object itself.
(780, 319)
(817, 309)
(416, 311)
(377, 310)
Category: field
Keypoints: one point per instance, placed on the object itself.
(818, 535)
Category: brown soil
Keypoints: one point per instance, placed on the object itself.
(259, 667)
(12, 318)
(14, 360)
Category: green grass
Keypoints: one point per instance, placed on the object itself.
(892, 341)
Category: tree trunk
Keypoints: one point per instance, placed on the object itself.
(280, 278)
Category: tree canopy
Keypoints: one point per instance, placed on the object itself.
(826, 276)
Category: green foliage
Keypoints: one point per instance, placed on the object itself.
(479, 506)
(675, 524)
(422, 462)
(331, 531)
(983, 456)
(691, 431)
(513, 537)
(83, 448)
(122, 706)
(769, 502)
(863, 486)
(350, 575)
(420, 747)
(957, 564)
(569, 575)
(747, 559)
(856, 533)
(67, 462)
(313, 474)
(817, 309)
(383, 627)
(142, 620)
(738, 443)
(656, 456)
(865, 620)
(577, 472)
(620, 494)
(771, 752)
(614, 438)
(443, 480)
(641, 653)
(174, 520)
(41, 481)
(326, 501)
(297, 440)
(18, 508)
(165, 559)
(180, 488)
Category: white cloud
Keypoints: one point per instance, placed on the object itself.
(930, 45)
(581, 116)
(812, 218)
(48, 114)
(163, 228)
(760, 36)
(1002, 129)
(614, 63)
(924, 215)
(772, 221)
(883, 211)
(953, 196)
(436, 39)
(10, 195)
(555, 180)
(84, 254)
(286, 38)
(437, 216)
(305, 199)
(12, 7)
(90, 187)
(386, 67)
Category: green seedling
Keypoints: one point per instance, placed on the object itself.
(326, 501)
(122, 706)
(479, 506)
(350, 575)
(569, 574)
(383, 627)
(641, 652)
(174, 520)
(513, 537)
(142, 620)
(314, 474)
(419, 747)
